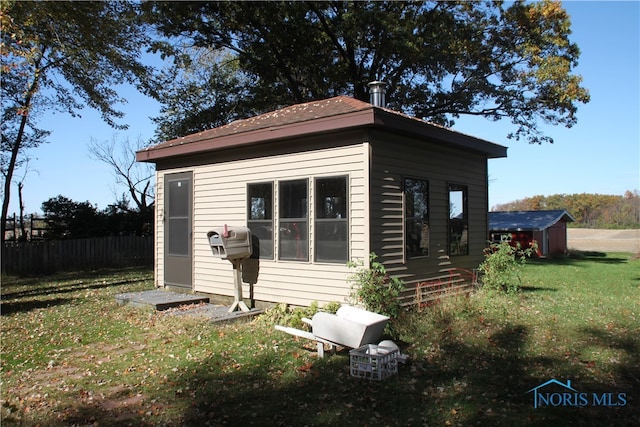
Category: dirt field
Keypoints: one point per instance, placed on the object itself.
(586, 239)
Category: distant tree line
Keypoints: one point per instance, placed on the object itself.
(67, 219)
(589, 210)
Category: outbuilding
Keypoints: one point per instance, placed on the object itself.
(320, 184)
(547, 228)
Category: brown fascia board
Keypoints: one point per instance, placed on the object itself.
(378, 117)
(260, 136)
(417, 127)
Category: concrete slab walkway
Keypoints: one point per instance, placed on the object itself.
(179, 304)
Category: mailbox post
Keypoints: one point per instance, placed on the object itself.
(234, 244)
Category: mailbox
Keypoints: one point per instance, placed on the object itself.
(230, 242)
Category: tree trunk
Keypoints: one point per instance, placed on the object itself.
(10, 169)
(23, 231)
(15, 150)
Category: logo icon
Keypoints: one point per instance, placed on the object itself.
(536, 393)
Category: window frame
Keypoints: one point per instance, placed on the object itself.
(411, 220)
(269, 222)
(341, 222)
(303, 236)
(459, 224)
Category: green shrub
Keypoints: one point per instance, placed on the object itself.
(374, 288)
(502, 266)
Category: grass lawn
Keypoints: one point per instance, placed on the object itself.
(72, 356)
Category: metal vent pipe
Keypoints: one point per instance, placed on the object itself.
(377, 92)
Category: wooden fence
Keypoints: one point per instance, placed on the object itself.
(45, 257)
(23, 229)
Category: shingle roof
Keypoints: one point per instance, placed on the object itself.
(325, 115)
(526, 220)
(285, 116)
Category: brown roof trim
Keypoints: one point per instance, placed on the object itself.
(392, 120)
(260, 136)
(312, 118)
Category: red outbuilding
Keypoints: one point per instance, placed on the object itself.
(547, 228)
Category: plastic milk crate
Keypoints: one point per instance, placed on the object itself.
(373, 362)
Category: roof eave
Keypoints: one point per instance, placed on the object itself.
(516, 229)
(316, 126)
(563, 215)
(373, 116)
(567, 217)
(418, 127)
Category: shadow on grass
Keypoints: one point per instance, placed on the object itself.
(76, 275)
(466, 382)
(578, 259)
(66, 288)
(26, 294)
(479, 376)
(537, 289)
(627, 365)
(610, 260)
(466, 385)
(463, 382)
(8, 308)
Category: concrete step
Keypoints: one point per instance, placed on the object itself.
(179, 304)
(158, 299)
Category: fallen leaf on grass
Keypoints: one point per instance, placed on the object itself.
(306, 367)
(589, 363)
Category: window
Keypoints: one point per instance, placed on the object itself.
(416, 199)
(331, 220)
(501, 237)
(260, 218)
(293, 220)
(458, 220)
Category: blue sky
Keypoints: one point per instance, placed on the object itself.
(601, 154)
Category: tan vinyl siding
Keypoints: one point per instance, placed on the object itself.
(220, 198)
(394, 158)
(375, 163)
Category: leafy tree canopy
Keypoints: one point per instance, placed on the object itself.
(67, 219)
(440, 59)
(79, 50)
(65, 56)
(203, 90)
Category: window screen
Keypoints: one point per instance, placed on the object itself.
(178, 226)
(260, 218)
(331, 220)
(293, 220)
